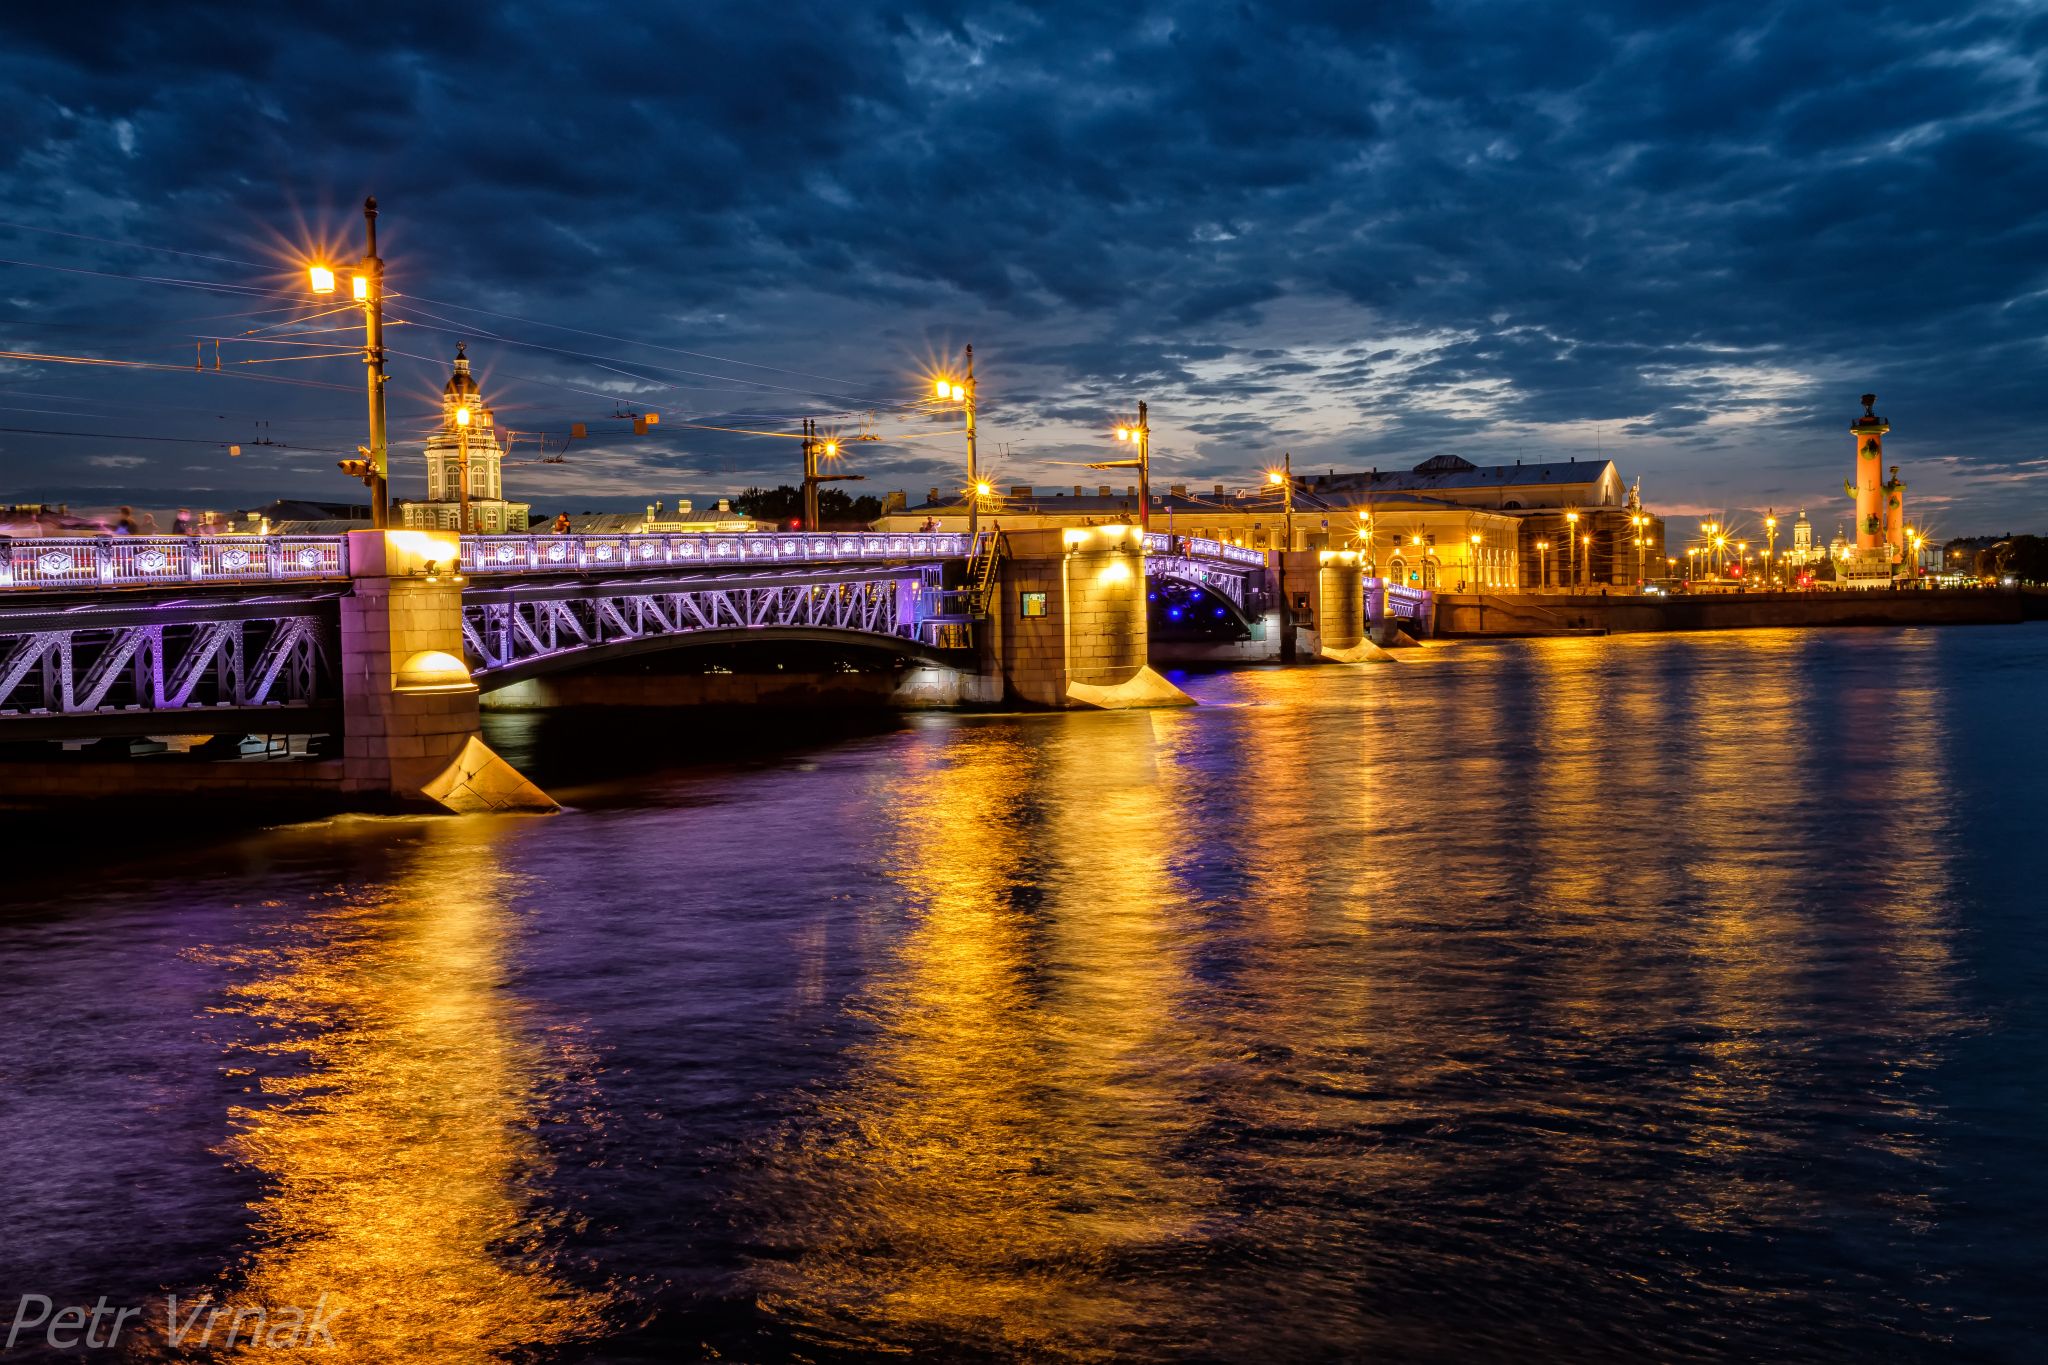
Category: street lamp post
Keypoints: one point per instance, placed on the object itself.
(367, 288)
(817, 450)
(462, 420)
(962, 392)
(1571, 544)
(1586, 548)
(1770, 541)
(1284, 476)
(1140, 436)
(1472, 561)
(1543, 563)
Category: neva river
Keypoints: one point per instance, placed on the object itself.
(1655, 997)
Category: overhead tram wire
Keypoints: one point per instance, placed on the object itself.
(454, 328)
(441, 303)
(179, 440)
(438, 303)
(108, 362)
(629, 341)
(133, 246)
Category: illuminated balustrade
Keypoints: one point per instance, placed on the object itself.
(86, 563)
(694, 549)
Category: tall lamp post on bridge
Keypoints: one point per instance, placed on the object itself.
(1140, 436)
(1571, 545)
(1642, 524)
(1284, 477)
(815, 450)
(1543, 563)
(1770, 541)
(366, 285)
(961, 391)
(462, 420)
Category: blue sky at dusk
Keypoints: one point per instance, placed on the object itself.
(1366, 233)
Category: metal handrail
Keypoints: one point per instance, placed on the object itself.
(699, 549)
(91, 563)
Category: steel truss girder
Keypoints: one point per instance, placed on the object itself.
(1223, 582)
(96, 666)
(510, 630)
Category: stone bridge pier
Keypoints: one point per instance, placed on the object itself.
(409, 705)
(1069, 622)
(1326, 596)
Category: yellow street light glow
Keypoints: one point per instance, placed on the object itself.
(958, 393)
(462, 417)
(322, 277)
(983, 489)
(1123, 433)
(360, 287)
(940, 388)
(1475, 537)
(831, 448)
(1273, 477)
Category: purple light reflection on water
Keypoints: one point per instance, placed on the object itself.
(1620, 998)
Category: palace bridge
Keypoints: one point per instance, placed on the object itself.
(386, 639)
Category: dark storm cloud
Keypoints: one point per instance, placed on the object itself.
(1372, 231)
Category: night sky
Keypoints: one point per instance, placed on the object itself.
(1365, 233)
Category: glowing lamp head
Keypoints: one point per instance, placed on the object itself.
(983, 488)
(322, 278)
(959, 394)
(831, 448)
(1475, 537)
(1273, 476)
(360, 287)
(462, 417)
(1123, 433)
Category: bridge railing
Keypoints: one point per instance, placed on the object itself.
(85, 563)
(697, 550)
(1198, 547)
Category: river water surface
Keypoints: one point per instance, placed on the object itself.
(1673, 997)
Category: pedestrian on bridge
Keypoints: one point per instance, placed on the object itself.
(561, 523)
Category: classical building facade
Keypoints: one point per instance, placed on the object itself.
(447, 448)
(1577, 522)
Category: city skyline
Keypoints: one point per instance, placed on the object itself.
(1365, 237)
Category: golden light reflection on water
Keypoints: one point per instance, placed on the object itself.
(1003, 1138)
(394, 1096)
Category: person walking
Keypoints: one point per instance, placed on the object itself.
(561, 524)
(124, 524)
(181, 525)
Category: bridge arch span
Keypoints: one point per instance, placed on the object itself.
(1219, 587)
(493, 678)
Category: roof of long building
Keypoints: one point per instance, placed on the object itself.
(1243, 503)
(1453, 471)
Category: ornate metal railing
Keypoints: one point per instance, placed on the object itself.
(58, 564)
(693, 550)
(82, 563)
(1198, 547)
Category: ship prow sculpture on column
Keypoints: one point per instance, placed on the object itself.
(1872, 556)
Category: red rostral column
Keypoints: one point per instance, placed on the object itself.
(1868, 489)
